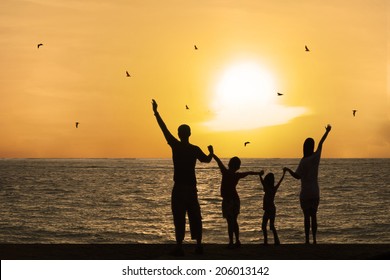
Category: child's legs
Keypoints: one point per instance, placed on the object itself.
(272, 227)
(230, 223)
(236, 228)
(230, 210)
(264, 227)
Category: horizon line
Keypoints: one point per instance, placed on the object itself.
(138, 158)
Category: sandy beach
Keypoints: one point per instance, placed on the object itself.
(211, 252)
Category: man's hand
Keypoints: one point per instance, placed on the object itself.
(211, 149)
(154, 105)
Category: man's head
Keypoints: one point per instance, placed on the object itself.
(184, 132)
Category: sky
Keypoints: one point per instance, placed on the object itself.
(247, 52)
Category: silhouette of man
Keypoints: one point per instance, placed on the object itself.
(184, 197)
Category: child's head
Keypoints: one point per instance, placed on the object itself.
(234, 163)
(269, 179)
(308, 147)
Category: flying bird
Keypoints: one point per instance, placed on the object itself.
(128, 74)
(280, 94)
(39, 45)
(306, 48)
(195, 47)
(77, 124)
(354, 112)
(246, 143)
(187, 107)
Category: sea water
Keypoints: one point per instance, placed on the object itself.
(92, 201)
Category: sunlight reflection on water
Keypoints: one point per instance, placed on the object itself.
(128, 201)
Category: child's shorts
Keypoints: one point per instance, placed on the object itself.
(230, 207)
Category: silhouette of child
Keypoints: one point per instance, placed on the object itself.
(230, 198)
(269, 207)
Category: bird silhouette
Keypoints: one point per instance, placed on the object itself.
(128, 74)
(354, 112)
(280, 94)
(195, 47)
(246, 143)
(77, 124)
(306, 48)
(187, 107)
(39, 45)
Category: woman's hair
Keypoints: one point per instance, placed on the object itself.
(308, 147)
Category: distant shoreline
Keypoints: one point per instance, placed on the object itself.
(169, 158)
(211, 252)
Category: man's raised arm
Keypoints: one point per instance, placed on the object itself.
(167, 134)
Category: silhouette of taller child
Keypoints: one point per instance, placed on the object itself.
(184, 199)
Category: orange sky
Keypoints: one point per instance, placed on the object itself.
(79, 75)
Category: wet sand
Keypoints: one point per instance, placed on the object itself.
(211, 252)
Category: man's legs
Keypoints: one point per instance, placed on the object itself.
(195, 220)
(179, 219)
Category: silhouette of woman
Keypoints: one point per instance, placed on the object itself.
(307, 172)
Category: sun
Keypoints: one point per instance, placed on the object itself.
(245, 97)
(242, 84)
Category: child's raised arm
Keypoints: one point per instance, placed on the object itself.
(220, 164)
(261, 173)
(292, 173)
(281, 179)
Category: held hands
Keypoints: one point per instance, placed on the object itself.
(285, 169)
(211, 149)
(261, 173)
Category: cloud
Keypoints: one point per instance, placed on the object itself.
(252, 116)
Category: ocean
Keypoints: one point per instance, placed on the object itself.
(121, 201)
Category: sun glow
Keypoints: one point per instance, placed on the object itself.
(246, 98)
